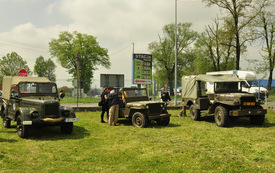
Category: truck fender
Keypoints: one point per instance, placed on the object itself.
(24, 112)
(68, 108)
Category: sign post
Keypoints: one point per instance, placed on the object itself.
(142, 69)
(23, 73)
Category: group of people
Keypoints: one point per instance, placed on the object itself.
(110, 103)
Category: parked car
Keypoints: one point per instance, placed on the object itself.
(34, 102)
(138, 108)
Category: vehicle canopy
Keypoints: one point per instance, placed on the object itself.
(9, 81)
(190, 85)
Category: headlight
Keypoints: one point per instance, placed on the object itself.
(66, 113)
(34, 114)
(147, 106)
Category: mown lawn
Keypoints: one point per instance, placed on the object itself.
(183, 146)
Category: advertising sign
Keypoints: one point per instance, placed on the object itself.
(112, 80)
(142, 69)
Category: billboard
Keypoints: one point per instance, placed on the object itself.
(142, 69)
(112, 80)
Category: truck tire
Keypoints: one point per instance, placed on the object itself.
(139, 120)
(195, 114)
(221, 116)
(6, 122)
(163, 121)
(257, 120)
(66, 128)
(22, 130)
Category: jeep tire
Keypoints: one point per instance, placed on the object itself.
(257, 119)
(194, 113)
(139, 120)
(221, 116)
(163, 121)
(22, 130)
(67, 128)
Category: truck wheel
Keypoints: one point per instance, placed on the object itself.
(257, 120)
(6, 122)
(66, 128)
(221, 116)
(163, 121)
(195, 114)
(22, 130)
(139, 120)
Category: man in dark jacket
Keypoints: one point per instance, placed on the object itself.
(113, 102)
(165, 97)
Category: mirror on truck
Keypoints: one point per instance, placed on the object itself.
(61, 94)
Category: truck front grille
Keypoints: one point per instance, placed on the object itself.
(52, 109)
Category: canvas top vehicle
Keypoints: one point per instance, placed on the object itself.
(33, 101)
(227, 101)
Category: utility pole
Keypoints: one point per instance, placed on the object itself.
(77, 78)
(176, 52)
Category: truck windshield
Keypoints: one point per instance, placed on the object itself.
(37, 88)
(253, 83)
(227, 87)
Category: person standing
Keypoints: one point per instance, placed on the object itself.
(165, 97)
(105, 107)
(113, 102)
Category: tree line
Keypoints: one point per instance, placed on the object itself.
(219, 47)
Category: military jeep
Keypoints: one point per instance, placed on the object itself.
(136, 106)
(226, 102)
(33, 102)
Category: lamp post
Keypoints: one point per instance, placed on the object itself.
(176, 52)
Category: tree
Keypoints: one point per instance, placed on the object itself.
(11, 64)
(75, 48)
(266, 23)
(164, 55)
(45, 68)
(214, 51)
(240, 15)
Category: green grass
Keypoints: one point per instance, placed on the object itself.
(183, 146)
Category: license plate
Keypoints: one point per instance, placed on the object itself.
(67, 120)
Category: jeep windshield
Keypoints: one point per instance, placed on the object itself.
(26, 89)
(136, 93)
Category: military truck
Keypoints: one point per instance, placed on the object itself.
(227, 101)
(33, 102)
(136, 106)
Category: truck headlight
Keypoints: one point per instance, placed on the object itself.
(66, 113)
(34, 114)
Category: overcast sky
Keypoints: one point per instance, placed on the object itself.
(27, 26)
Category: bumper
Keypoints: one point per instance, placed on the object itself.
(158, 116)
(50, 121)
(243, 113)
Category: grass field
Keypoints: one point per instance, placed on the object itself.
(183, 146)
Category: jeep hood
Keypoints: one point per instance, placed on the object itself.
(142, 103)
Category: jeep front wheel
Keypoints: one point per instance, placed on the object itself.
(194, 113)
(67, 128)
(22, 130)
(221, 116)
(139, 120)
(163, 121)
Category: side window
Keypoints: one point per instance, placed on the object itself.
(14, 91)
